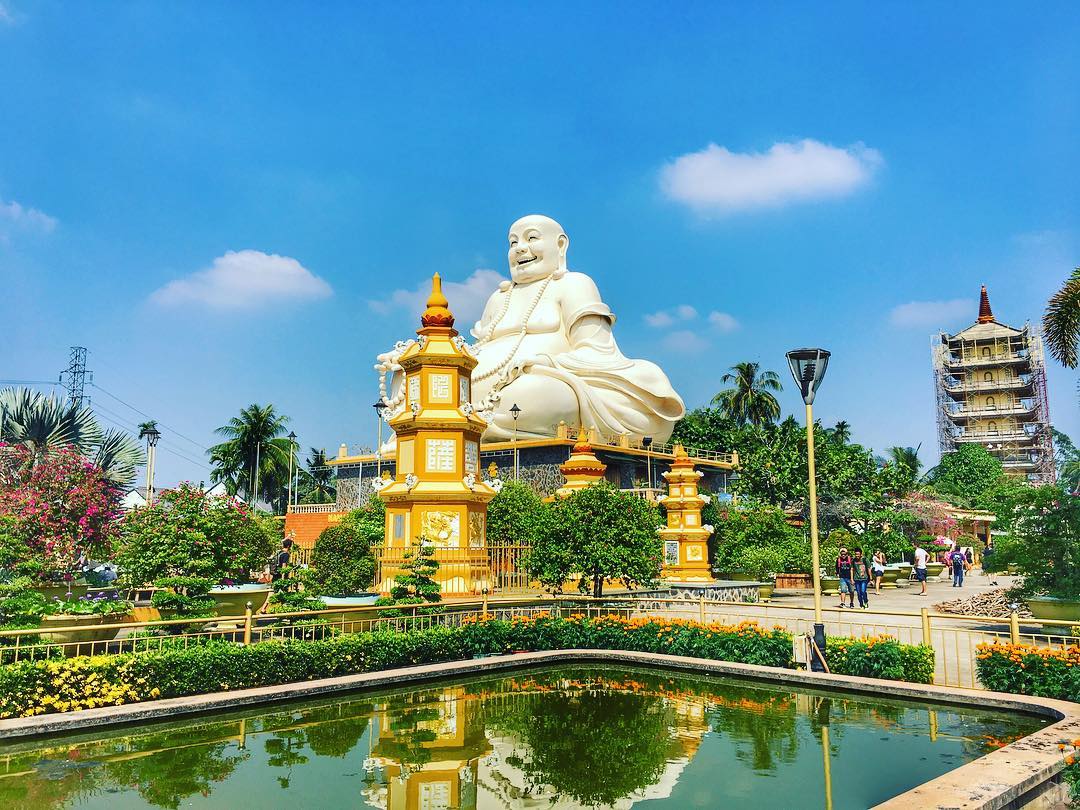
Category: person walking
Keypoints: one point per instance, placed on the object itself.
(279, 563)
(843, 570)
(958, 561)
(878, 565)
(921, 558)
(860, 576)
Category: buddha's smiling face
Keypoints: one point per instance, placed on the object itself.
(537, 248)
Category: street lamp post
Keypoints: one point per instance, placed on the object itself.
(380, 409)
(292, 453)
(152, 436)
(808, 369)
(515, 411)
(646, 442)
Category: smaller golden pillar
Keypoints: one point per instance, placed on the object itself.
(686, 552)
(582, 469)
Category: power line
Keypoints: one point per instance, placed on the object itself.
(172, 430)
(166, 448)
(127, 425)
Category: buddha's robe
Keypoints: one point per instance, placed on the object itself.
(577, 374)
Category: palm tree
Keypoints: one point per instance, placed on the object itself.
(1061, 322)
(907, 463)
(254, 458)
(750, 399)
(317, 481)
(842, 432)
(43, 423)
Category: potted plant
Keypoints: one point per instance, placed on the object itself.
(89, 614)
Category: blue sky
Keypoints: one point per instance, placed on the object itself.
(231, 204)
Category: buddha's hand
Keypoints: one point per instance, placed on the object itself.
(525, 365)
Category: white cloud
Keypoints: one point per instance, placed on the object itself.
(664, 318)
(18, 218)
(723, 322)
(467, 298)
(244, 279)
(6, 17)
(685, 340)
(716, 181)
(933, 314)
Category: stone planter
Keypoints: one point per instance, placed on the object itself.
(830, 586)
(1012, 570)
(934, 569)
(61, 591)
(89, 638)
(792, 582)
(741, 576)
(231, 600)
(347, 619)
(765, 591)
(1050, 607)
(888, 578)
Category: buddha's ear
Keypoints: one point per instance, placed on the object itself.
(564, 244)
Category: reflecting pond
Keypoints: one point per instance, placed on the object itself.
(591, 736)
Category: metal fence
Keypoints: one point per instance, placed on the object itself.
(954, 638)
(466, 571)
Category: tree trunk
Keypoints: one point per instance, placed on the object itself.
(598, 587)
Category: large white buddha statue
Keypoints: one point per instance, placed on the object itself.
(545, 344)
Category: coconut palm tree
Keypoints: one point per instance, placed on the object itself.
(842, 432)
(1061, 322)
(750, 399)
(43, 423)
(317, 481)
(254, 458)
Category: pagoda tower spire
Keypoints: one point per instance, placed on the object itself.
(686, 553)
(437, 497)
(985, 313)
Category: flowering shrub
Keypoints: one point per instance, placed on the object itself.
(880, 657)
(190, 533)
(54, 508)
(1029, 670)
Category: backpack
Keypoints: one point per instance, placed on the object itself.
(275, 563)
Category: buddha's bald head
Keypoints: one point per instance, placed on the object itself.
(538, 247)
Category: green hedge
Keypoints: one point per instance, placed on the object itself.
(880, 657)
(38, 687)
(1024, 669)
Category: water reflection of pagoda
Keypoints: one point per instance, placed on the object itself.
(428, 745)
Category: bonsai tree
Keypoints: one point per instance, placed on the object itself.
(416, 582)
(516, 516)
(737, 531)
(342, 561)
(598, 533)
(762, 562)
(189, 533)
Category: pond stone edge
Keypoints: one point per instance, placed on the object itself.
(1008, 777)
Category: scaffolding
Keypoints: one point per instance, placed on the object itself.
(990, 389)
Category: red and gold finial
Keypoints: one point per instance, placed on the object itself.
(437, 312)
(985, 315)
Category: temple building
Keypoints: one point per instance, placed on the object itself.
(990, 381)
(686, 552)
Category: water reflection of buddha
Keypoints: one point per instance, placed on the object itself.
(545, 342)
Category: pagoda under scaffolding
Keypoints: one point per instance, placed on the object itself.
(990, 381)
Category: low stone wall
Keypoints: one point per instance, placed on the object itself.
(719, 591)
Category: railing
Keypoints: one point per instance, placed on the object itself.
(983, 435)
(954, 638)
(650, 494)
(1005, 410)
(985, 361)
(989, 385)
(466, 571)
(312, 508)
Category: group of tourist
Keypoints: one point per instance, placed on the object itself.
(856, 572)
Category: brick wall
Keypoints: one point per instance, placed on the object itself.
(307, 528)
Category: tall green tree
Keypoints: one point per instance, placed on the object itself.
(750, 398)
(1067, 459)
(841, 432)
(317, 480)
(255, 437)
(1061, 322)
(43, 423)
(599, 533)
(966, 473)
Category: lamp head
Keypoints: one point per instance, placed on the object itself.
(152, 436)
(379, 406)
(292, 436)
(515, 411)
(808, 368)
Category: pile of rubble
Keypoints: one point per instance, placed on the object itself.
(997, 603)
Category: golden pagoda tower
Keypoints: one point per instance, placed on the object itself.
(686, 553)
(582, 469)
(437, 493)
